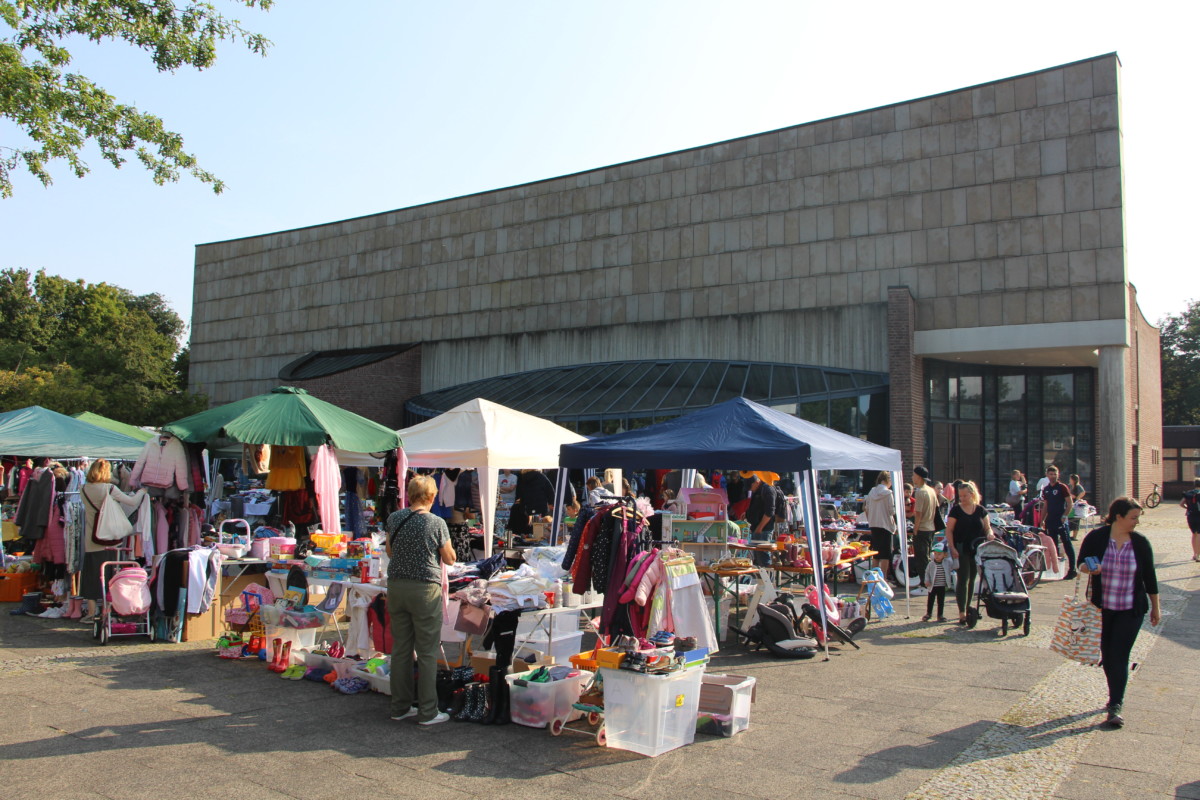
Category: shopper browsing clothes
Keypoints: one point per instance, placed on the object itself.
(1191, 510)
(1077, 495)
(923, 520)
(418, 544)
(1120, 562)
(1017, 489)
(966, 525)
(1056, 497)
(881, 517)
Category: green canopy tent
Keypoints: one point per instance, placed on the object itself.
(113, 425)
(37, 431)
(286, 416)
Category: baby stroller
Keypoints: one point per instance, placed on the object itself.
(1002, 592)
(125, 610)
(776, 631)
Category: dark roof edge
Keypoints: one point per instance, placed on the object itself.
(384, 351)
(664, 155)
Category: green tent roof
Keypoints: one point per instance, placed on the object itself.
(37, 431)
(114, 425)
(286, 416)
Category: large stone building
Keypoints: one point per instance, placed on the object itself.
(945, 274)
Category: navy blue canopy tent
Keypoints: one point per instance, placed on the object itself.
(737, 434)
(742, 434)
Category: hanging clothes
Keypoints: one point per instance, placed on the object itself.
(355, 524)
(327, 484)
(162, 464)
(289, 468)
(204, 571)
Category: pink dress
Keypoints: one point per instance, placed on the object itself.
(327, 483)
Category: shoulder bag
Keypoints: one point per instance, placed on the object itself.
(1077, 632)
(112, 525)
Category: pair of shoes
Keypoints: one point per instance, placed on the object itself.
(442, 716)
(412, 712)
(1114, 716)
(925, 618)
(53, 612)
(294, 673)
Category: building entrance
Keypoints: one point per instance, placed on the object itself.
(957, 452)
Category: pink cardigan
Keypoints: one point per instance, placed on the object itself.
(163, 462)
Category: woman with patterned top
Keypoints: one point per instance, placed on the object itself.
(1124, 586)
(418, 543)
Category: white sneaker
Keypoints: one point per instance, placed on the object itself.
(920, 591)
(442, 716)
(412, 712)
(54, 612)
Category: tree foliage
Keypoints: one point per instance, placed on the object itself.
(1180, 336)
(60, 112)
(73, 346)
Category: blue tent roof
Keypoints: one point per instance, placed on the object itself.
(736, 434)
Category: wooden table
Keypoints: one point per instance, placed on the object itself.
(717, 588)
(798, 573)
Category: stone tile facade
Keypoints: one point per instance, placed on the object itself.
(995, 204)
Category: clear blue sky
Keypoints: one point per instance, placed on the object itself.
(372, 105)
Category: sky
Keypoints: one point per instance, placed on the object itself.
(371, 105)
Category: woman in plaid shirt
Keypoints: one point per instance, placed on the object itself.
(1124, 586)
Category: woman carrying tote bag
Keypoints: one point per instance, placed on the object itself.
(1120, 563)
(97, 489)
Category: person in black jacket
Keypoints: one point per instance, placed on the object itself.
(1124, 586)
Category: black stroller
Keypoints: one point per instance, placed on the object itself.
(1002, 592)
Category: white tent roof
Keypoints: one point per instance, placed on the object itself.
(480, 433)
(834, 450)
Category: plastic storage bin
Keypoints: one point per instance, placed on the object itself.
(651, 714)
(561, 648)
(564, 622)
(301, 638)
(728, 696)
(14, 585)
(379, 683)
(537, 705)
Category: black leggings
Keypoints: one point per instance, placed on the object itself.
(1118, 632)
(964, 590)
(940, 593)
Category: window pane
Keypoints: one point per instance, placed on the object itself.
(735, 379)
(758, 383)
(839, 381)
(783, 382)
(817, 411)
(707, 386)
(678, 395)
(812, 381)
(1058, 389)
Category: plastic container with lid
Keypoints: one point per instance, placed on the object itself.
(651, 714)
(537, 705)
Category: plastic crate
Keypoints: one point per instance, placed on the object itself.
(651, 714)
(536, 705)
(14, 585)
(728, 696)
(379, 683)
(561, 648)
(301, 639)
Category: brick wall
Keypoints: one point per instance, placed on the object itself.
(906, 376)
(377, 391)
(1143, 403)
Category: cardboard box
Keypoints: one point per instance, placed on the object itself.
(14, 585)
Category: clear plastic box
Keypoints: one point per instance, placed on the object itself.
(536, 705)
(728, 695)
(651, 714)
(561, 648)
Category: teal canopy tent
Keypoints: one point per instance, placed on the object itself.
(113, 425)
(37, 431)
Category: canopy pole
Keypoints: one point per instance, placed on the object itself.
(810, 508)
(560, 496)
(487, 498)
(902, 527)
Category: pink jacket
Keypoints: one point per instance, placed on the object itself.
(163, 462)
(650, 579)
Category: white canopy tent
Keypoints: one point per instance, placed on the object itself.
(485, 436)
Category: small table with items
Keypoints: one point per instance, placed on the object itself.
(715, 577)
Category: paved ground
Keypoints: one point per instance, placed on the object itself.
(922, 711)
